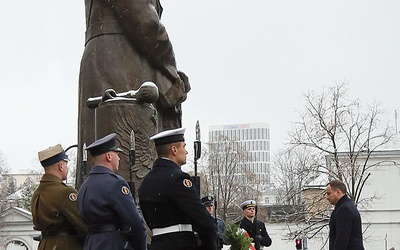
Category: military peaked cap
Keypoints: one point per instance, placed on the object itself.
(247, 204)
(52, 155)
(208, 200)
(169, 136)
(104, 145)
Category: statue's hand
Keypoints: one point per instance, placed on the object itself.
(108, 94)
(147, 93)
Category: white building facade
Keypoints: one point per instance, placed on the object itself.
(18, 179)
(254, 138)
(17, 230)
(381, 218)
(379, 202)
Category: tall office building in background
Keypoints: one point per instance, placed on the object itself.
(254, 138)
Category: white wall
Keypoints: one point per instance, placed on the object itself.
(18, 227)
(382, 216)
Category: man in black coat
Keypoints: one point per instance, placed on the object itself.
(170, 202)
(255, 228)
(345, 222)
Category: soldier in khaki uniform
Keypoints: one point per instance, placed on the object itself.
(54, 207)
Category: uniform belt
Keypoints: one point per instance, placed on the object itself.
(102, 228)
(54, 233)
(173, 229)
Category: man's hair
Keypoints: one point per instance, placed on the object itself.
(99, 159)
(163, 150)
(337, 184)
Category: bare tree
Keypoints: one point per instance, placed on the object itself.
(73, 162)
(295, 174)
(335, 137)
(294, 168)
(4, 189)
(345, 132)
(228, 176)
(27, 189)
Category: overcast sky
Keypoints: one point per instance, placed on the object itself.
(248, 61)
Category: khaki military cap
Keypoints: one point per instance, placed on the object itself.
(52, 155)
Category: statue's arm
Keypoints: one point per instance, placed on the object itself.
(141, 24)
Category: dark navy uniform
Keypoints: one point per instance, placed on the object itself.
(173, 210)
(222, 239)
(106, 205)
(251, 227)
(255, 229)
(345, 226)
(208, 201)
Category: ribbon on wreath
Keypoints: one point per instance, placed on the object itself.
(251, 247)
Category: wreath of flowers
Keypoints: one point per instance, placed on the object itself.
(238, 237)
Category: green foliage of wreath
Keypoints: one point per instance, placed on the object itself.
(237, 237)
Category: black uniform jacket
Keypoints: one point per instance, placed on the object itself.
(105, 199)
(55, 211)
(168, 197)
(345, 226)
(250, 228)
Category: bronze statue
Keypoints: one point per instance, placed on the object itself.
(125, 46)
(133, 117)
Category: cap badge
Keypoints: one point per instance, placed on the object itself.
(72, 197)
(125, 190)
(187, 183)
